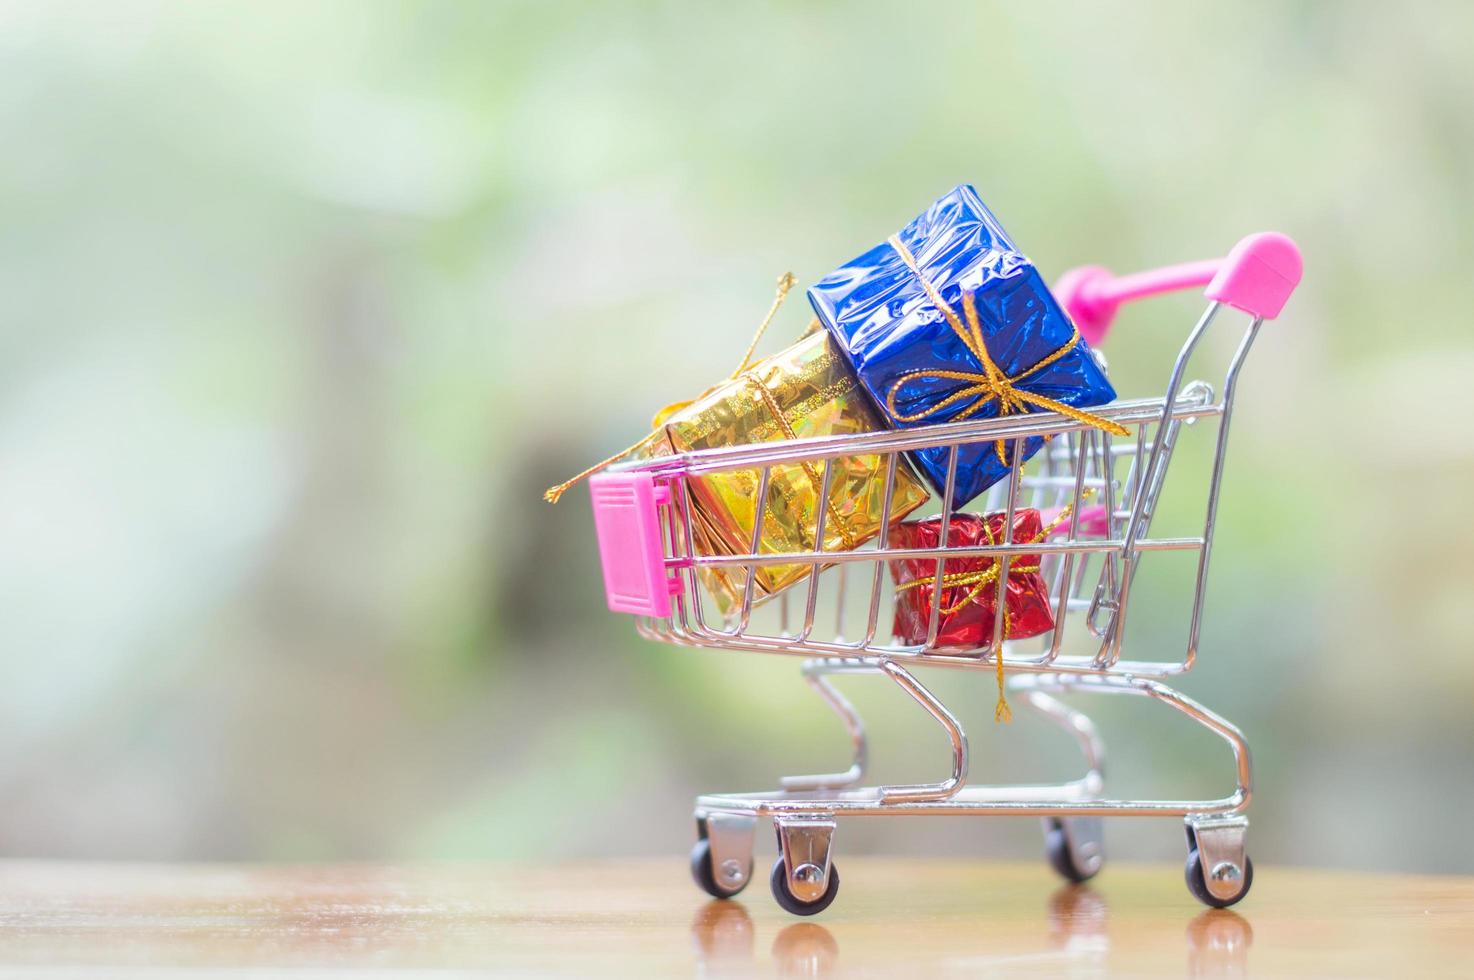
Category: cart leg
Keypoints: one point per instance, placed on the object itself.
(1219, 871)
(1075, 723)
(814, 673)
(1220, 726)
(919, 792)
(804, 878)
(721, 861)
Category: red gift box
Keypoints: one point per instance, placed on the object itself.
(969, 585)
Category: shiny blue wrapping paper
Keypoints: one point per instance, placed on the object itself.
(879, 314)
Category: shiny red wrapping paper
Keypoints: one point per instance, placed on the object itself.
(968, 605)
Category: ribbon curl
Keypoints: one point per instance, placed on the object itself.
(990, 384)
(841, 524)
(785, 283)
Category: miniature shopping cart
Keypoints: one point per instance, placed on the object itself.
(1112, 487)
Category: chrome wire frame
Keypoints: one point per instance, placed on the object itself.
(1090, 576)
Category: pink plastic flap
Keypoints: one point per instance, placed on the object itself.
(628, 526)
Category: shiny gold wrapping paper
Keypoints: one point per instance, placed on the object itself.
(804, 391)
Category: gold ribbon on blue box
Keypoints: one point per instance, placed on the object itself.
(1012, 350)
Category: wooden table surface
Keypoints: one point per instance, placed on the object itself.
(645, 918)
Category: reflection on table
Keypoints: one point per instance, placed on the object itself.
(1076, 931)
(899, 917)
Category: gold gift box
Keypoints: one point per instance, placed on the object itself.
(804, 391)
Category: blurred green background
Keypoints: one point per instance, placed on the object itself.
(304, 305)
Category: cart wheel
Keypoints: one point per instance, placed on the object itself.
(705, 874)
(795, 905)
(1196, 883)
(1062, 856)
(1057, 848)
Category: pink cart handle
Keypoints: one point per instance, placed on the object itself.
(1257, 276)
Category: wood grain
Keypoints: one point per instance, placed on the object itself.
(646, 918)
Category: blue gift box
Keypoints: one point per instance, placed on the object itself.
(919, 359)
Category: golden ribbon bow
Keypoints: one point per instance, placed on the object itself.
(979, 581)
(991, 383)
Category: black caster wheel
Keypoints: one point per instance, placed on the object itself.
(1198, 885)
(797, 906)
(706, 876)
(1057, 849)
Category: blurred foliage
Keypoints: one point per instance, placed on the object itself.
(304, 304)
